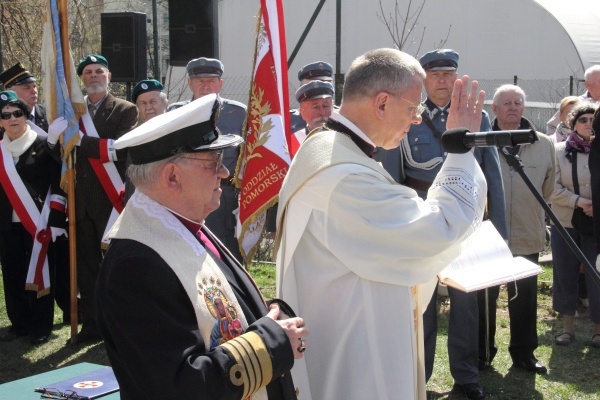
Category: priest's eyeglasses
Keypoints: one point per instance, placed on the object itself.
(214, 164)
(419, 108)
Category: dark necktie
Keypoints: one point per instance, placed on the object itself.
(31, 118)
(92, 109)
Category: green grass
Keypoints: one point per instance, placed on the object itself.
(573, 370)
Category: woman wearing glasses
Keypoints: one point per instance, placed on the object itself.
(27, 172)
(572, 195)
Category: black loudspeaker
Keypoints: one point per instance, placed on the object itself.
(192, 30)
(124, 44)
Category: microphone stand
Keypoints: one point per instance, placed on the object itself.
(514, 161)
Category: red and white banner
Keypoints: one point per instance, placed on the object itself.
(265, 158)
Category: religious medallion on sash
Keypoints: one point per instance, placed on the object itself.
(227, 324)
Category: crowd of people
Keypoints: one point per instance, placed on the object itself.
(371, 210)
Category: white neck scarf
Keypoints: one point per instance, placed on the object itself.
(20, 145)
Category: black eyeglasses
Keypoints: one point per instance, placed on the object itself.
(581, 120)
(52, 393)
(16, 114)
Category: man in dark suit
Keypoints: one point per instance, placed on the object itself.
(112, 118)
(23, 83)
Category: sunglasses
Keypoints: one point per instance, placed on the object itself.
(16, 114)
(581, 120)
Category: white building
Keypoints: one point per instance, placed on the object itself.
(541, 42)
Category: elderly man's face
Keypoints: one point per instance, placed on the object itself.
(201, 86)
(27, 92)
(509, 109)
(439, 85)
(96, 78)
(150, 104)
(202, 182)
(592, 84)
(316, 111)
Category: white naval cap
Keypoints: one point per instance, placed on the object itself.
(187, 129)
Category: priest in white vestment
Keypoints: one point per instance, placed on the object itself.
(357, 253)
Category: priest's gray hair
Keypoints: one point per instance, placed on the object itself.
(145, 174)
(381, 70)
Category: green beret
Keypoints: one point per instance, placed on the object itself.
(6, 97)
(91, 59)
(147, 85)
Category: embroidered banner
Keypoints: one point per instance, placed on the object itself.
(264, 159)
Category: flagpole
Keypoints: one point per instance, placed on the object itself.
(66, 51)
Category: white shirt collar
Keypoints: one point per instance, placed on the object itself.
(346, 122)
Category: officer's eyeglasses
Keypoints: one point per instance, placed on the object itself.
(16, 114)
(216, 164)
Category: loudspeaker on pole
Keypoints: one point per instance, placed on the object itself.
(193, 30)
(124, 43)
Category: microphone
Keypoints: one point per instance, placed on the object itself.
(460, 140)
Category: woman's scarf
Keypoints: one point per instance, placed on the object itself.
(576, 143)
(21, 144)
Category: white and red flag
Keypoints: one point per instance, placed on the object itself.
(264, 159)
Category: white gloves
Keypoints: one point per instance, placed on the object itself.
(58, 126)
(56, 232)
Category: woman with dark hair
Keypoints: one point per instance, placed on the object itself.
(572, 192)
(31, 217)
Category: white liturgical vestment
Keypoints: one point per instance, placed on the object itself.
(355, 253)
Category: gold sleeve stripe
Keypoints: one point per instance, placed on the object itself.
(253, 367)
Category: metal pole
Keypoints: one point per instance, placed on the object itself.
(339, 77)
(1, 53)
(305, 33)
(571, 86)
(155, 40)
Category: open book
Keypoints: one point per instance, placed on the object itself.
(485, 262)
